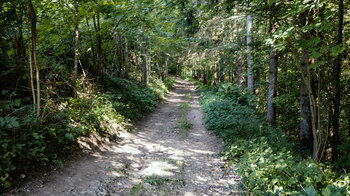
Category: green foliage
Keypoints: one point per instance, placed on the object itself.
(104, 109)
(132, 99)
(169, 82)
(188, 96)
(183, 123)
(267, 162)
(155, 180)
(184, 106)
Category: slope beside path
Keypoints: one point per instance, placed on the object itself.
(158, 158)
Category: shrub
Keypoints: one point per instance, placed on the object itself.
(103, 108)
(267, 162)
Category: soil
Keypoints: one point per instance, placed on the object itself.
(159, 157)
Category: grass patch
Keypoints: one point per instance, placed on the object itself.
(184, 106)
(155, 180)
(155, 185)
(183, 123)
(188, 96)
(174, 162)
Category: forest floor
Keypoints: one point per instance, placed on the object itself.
(157, 158)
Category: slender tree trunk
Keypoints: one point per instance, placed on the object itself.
(19, 41)
(76, 50)
(149, 67)
(144, 62)
(32, 20)
(335, 99)
(98, 40)
(250, 77)
(31, 77)
(205, 78)
(240, 70)
(120, 55)
(271, 107)
(165, 68)
(92, 44)
(126, 59)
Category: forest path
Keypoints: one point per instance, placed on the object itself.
(156, 159)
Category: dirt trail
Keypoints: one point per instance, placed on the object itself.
(156, 159)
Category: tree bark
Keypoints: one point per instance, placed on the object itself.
(249, 28)
(305, 132)
(31, 77)
(165, 68)
(126, 58)
(271, 106)
(32, 20)
(240, 70)
(98, 40)
(92, 45)
(144, 62)
(76, 49)
(306, 79)
(335, 99)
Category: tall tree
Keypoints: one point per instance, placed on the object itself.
(76, 47)
(144, 61)
(126, 58)
(32, 20)
(240, 69)
(335, 96)
(249, 28)
(305, 134)
(98, 40)
(92, 44)
(271, 106)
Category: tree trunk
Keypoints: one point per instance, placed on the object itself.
(335, 99)
(32, 20)
(205, 78)
(165, 68)
(19, 41)
(250, 77)
(31, 77)
(306, 79)
(305, 111)
(98, 40)
(126, 59)
(144, 62)
(271, 107)
(76, 50)
(92, 45)
(240, 70)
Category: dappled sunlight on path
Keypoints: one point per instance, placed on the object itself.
(155, 159)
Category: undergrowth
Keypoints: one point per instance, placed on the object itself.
(267, 162)
(104, 108)
(183, 123)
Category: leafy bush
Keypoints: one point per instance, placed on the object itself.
(267, 162)
(104, 108)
